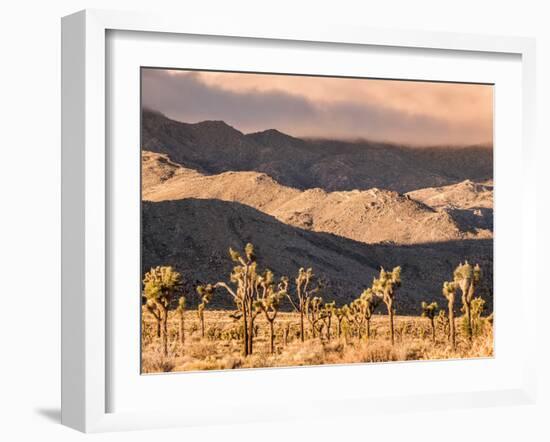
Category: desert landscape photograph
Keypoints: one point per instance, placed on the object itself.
(296, 220)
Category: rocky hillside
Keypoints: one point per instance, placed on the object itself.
(464, 195)
(470, 204)
(370, 216)
(213, 147)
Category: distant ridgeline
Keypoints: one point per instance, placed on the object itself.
(214, 146)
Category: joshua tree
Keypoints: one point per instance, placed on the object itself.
(245, 278)
(442, 323)
(205, 293)
(449, 291)
(181, 312)
(346, 325)
(476, 323)
(313, 308)
(159, 286)
(303, 295)
(428, 311)
(269, 300)
(386, 286)
(467, 278)
(357, 314)
(341, 314)
(327, 311)
(286, 333)
(152, 308)
(371, 301)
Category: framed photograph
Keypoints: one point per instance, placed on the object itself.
(251, 214)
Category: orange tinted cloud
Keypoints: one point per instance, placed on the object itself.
(388, 110)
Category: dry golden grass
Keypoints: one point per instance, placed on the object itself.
(220, 349)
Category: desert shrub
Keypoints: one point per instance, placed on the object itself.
(214, 333)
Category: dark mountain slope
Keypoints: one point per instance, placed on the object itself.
(194, 236)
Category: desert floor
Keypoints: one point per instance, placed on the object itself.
(220, 348)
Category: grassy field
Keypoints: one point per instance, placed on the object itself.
(220, 348)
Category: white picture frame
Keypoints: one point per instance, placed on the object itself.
(86, 214)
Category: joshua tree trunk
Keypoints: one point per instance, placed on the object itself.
(156, 314)
(182, 328)
(433, 329)
(452, 325)
(202, 324)
(165, 331)
(286, 331)
(302, 322)
(339, 328)
(250, 329)
(469, 319)
(271, 338)
(390, 312)
(368, 329)
(328, 327)
(245, 332)
(313, 330)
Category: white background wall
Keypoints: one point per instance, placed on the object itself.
(30, 206)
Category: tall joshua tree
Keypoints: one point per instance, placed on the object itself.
(304, 293)
(386, 286)
(467, 278)
(269, 300)
(428, 311)
(181, 312)
(159, 286)
(205, 293)
(245, 278)
(449, 291)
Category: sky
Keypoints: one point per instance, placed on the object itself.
(405, 112)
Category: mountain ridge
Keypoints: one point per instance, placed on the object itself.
(305, 163)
